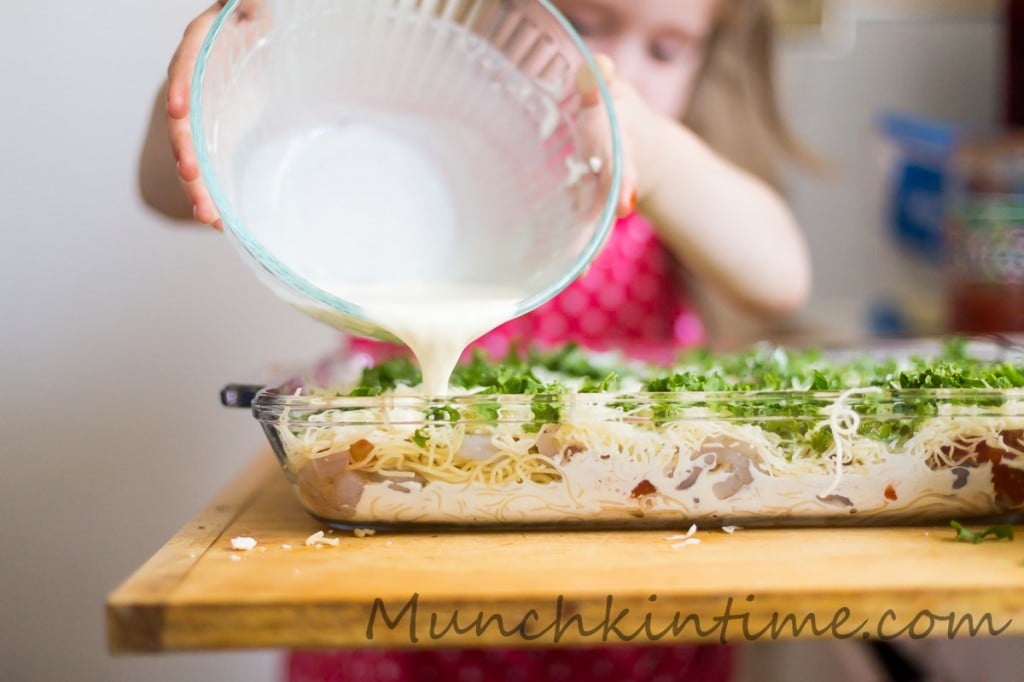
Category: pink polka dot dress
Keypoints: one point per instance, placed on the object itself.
(608, 664)
(629, 300)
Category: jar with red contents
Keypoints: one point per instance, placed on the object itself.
(985, 236)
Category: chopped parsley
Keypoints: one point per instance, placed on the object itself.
(784, 391)
(386, 376)
(759, 369)
(1000, 532)
(421, 438)
(603, 386)
(444, 413)
(569, 360)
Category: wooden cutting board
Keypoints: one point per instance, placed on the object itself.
(544, 588)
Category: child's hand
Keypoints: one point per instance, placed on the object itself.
(179, 83)
(632, 113)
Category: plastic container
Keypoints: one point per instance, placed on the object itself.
(913, 155)
(650, 459)
(401, 143)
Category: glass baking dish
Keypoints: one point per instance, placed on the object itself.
(859, 455)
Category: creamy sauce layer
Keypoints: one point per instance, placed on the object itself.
(596, 490)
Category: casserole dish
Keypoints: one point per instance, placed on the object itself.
(563, 438)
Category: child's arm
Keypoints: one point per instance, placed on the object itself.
(727, 227)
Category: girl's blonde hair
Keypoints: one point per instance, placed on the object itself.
(734, 107)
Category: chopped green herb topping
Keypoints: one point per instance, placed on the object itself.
(606, 384)
(445, 413)
(386, 376)
(795, 413)
(421, 438)
(759, 369)
(1003, 531)
(570, 360)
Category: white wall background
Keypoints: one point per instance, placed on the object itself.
(117, 329)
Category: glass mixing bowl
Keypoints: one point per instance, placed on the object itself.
(404, 142)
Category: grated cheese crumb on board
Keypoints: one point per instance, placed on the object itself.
(243, 544)
(318, 538)
(689, 534)
(686, 542)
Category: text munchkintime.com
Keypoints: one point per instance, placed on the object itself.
(734, 622)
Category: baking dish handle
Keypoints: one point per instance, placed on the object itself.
(239, 395)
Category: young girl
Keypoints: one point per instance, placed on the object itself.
(693, 90)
